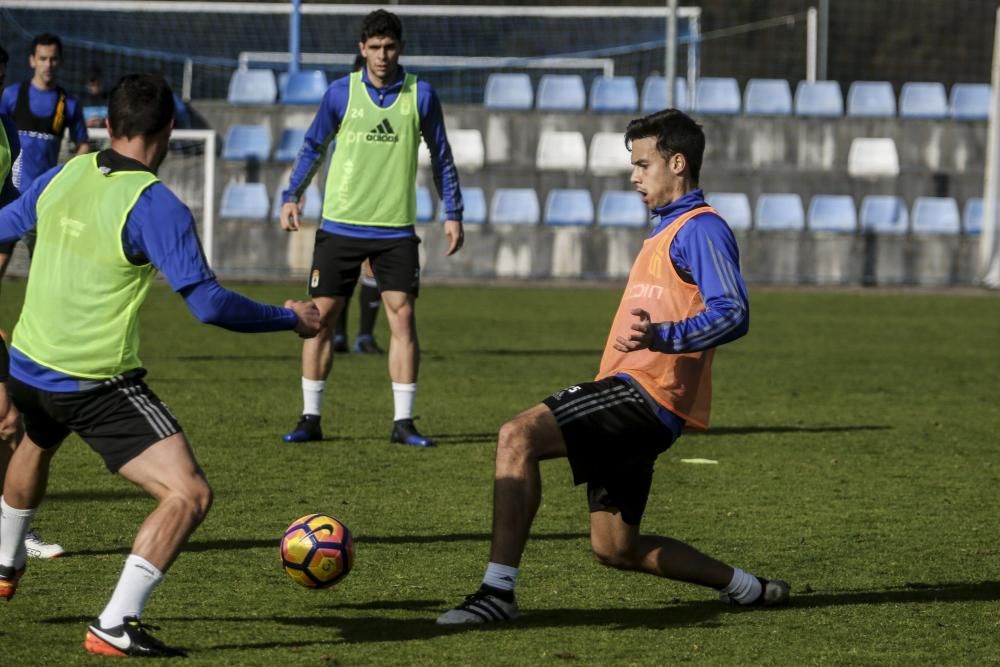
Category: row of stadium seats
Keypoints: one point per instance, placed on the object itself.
(556, 151)
(882, 214)
(714, 95)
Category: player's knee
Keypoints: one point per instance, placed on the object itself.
(198, 497)
(514, 441)
(614, 556)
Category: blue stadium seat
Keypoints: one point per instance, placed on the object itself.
(972, 217)
(252, 86)
(474, 202)
(247, 142)
(622, 209)
(970, 101)
(718, 95)
(508, 91)
(289, 144)
(561, 92)
(767, 97)
(734, 207)
(425, 204)
(247, 201)
(313, 208)
(654, 94)
(871, 99)
(884, 214)
(819, 99)
(514, 206)
(936, 215)
(923, 99)
(833, 213)
(304, 87)
(780, 212)
(614, 93)
(569, 207)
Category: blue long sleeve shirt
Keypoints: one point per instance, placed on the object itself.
(40, 152)
(160, 230)
(322, 134)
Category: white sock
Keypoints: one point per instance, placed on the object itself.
(312, 396)
(139, 578)
(402, 399)
(744, 588)
(14, 525)
(500, 576)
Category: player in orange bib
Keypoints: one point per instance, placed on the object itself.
(685, 297)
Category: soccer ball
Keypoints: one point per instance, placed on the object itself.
(317, 551)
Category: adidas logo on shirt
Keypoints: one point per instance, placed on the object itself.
(382, 133)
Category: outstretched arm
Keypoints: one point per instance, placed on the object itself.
(212, 303)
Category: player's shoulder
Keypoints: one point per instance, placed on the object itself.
(706, 224)
(160, 201)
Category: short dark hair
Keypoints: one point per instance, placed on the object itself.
(359, 62)
(46, 39)
(4, 58)
(675, 132)
(381, 23)
(140, 104)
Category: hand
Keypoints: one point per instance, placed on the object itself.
(456, 237)
(309, 320)
(643, 334)
(9, 421)
(291, 213)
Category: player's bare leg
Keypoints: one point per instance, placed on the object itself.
(317, 362)
(404, 366)
(167, 471)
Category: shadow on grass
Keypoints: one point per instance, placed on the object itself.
(911, 593)
(750, 430)
(240, 545)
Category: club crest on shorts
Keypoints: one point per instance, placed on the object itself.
(314, 280)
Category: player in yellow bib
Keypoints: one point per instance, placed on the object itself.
(684, 298)
(376, 117)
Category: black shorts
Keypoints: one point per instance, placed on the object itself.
(119, 420)
(612, 440)
(337, 263)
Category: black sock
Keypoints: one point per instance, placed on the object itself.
(506, 596)
(340, 328)
(368, 302)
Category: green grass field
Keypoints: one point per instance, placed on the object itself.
(856, 440)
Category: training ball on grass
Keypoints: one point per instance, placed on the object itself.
(317, 551)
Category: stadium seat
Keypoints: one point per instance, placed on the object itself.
(96, 112)
(872, 157)
(246, 201)
(247, 142)
(289, 144)
(654, 94)
(734, 207)
(884, 214)
(514, 206)
(717, 95)
(561, 151)
(608, 155)
(622, 209)
(820, 99)
(833, 213)
(767, 97)
(561, 92)
(972, 217)
(252, 86)
(871, 99)
(970, 101)
(614, 93)
(425, 204)
(508, 91)
(474, 203)
(780, 212)
(312, 210)
(304, 87)
(936, 215)
(923, 100)
(569, 207)
(467, 149)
